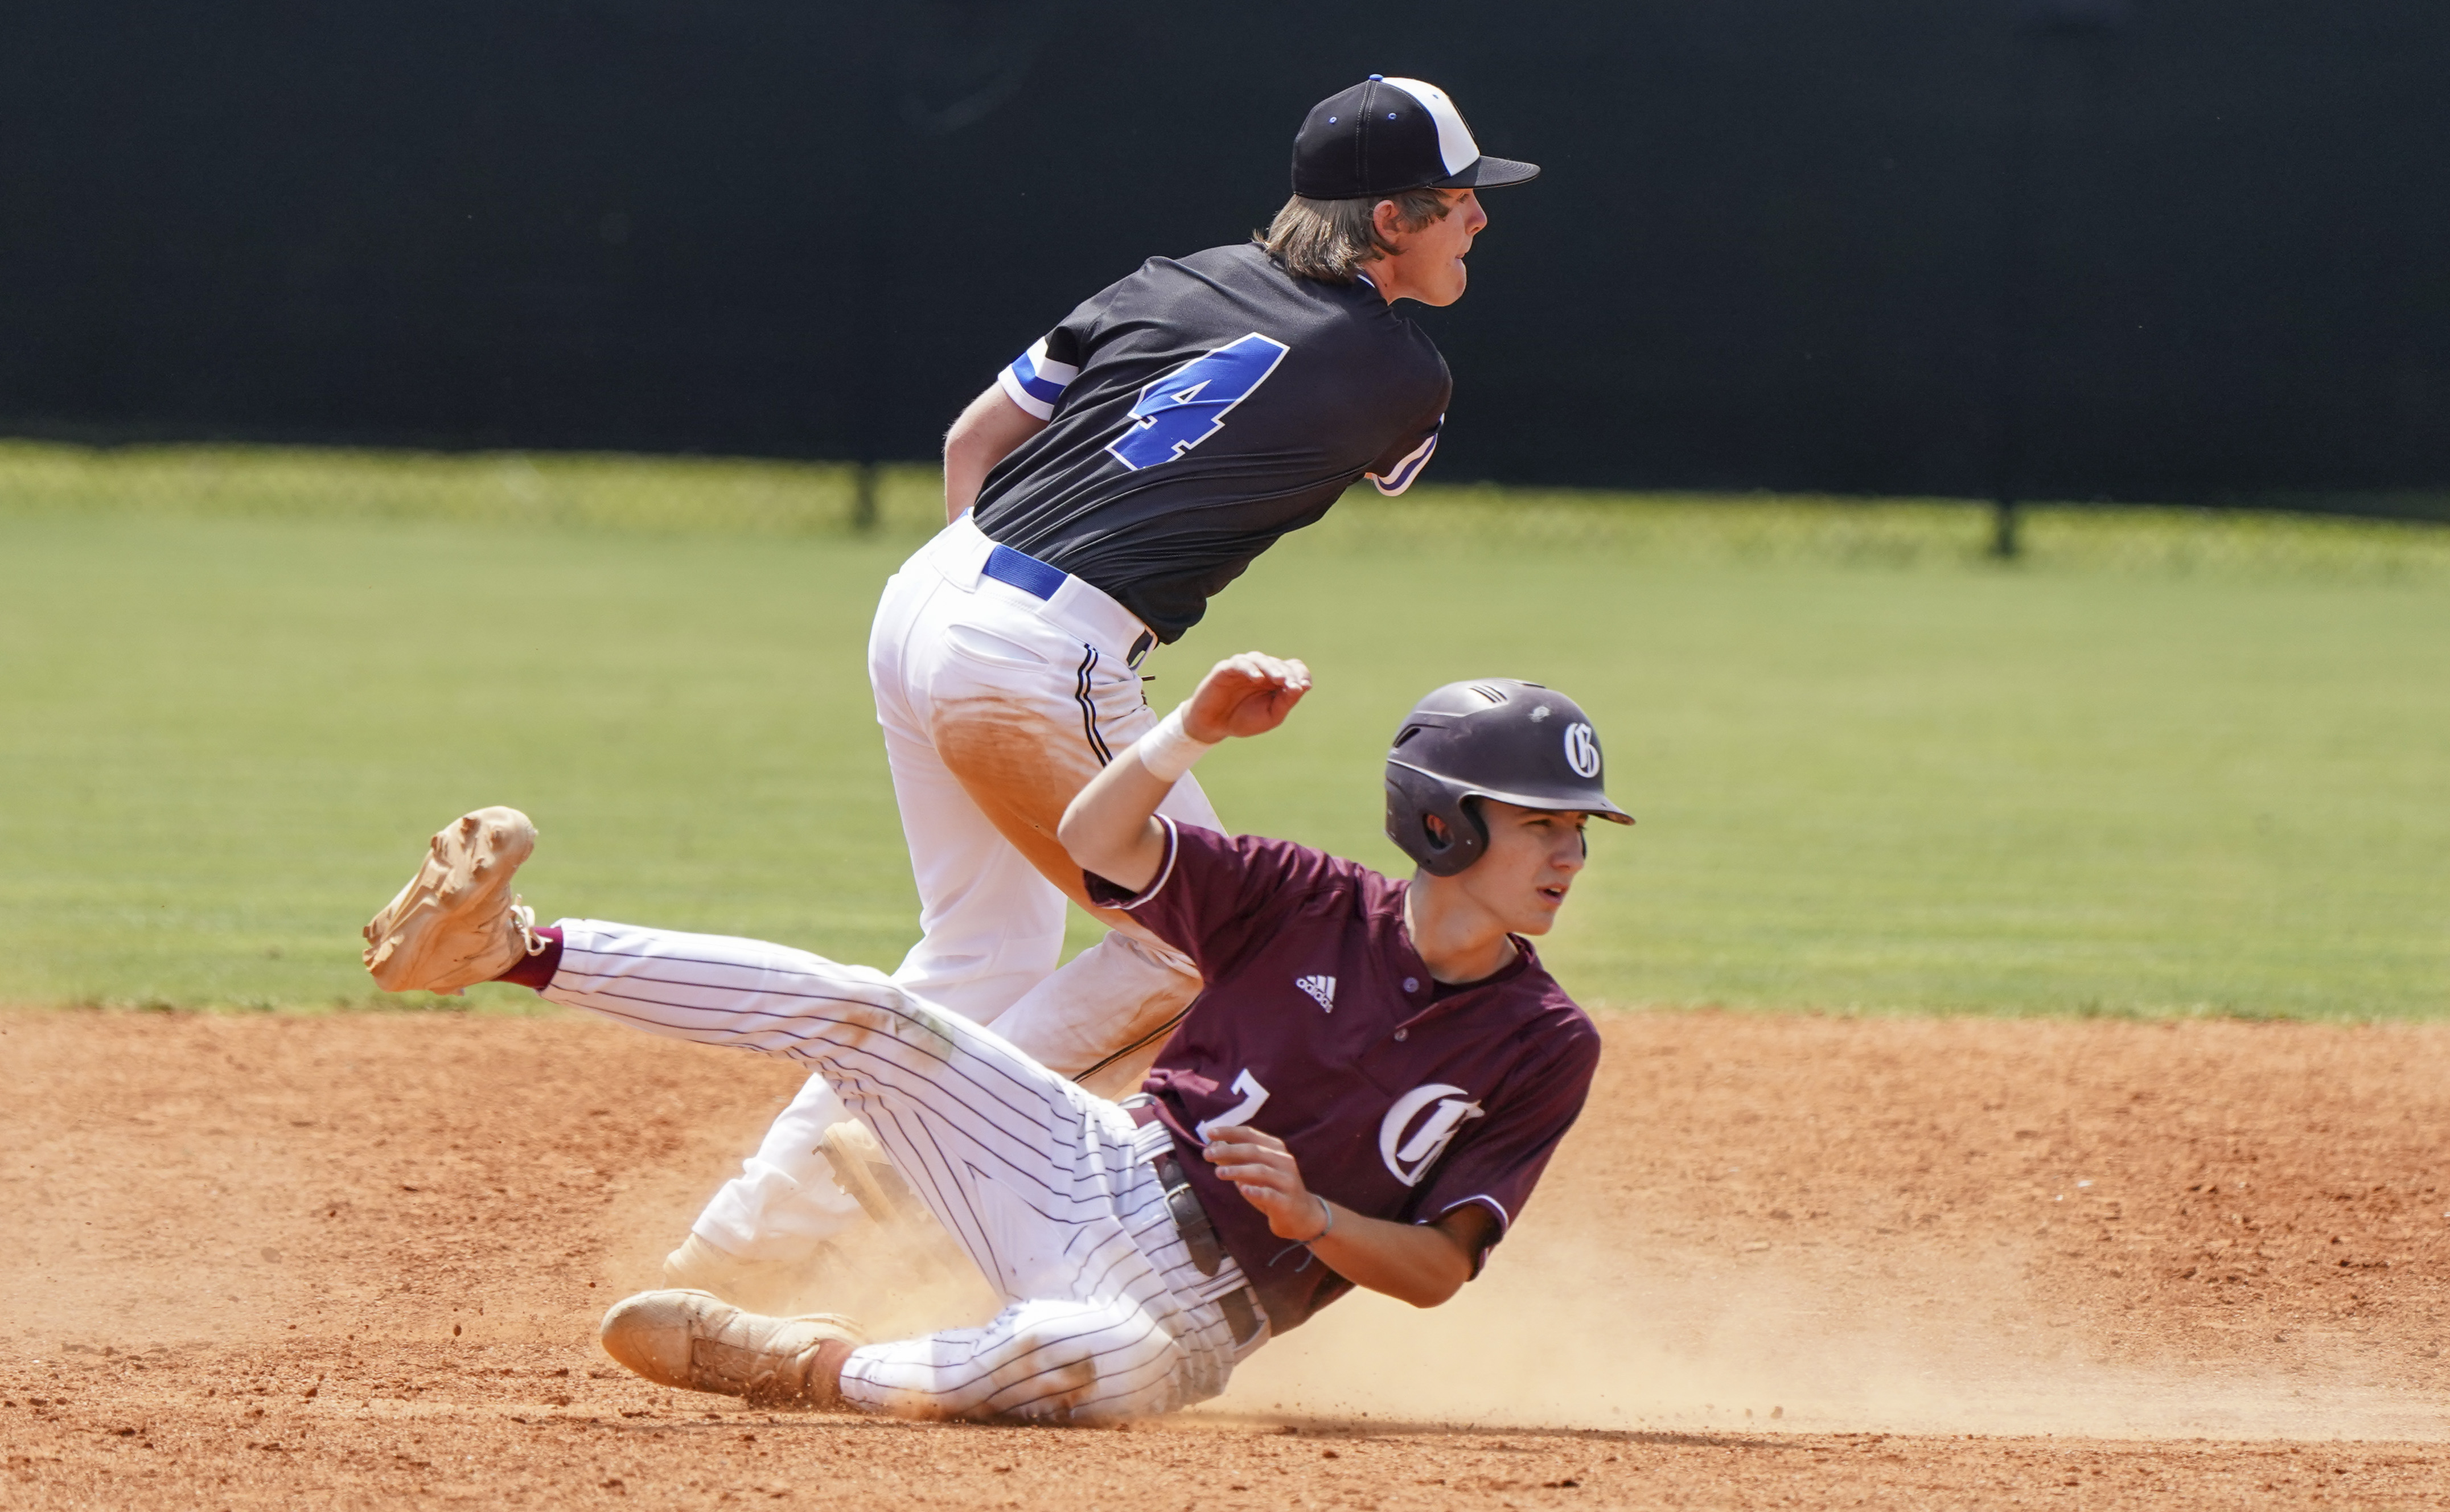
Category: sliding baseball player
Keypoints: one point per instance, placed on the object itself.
(1364, 1093)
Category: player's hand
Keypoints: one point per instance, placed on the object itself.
(1268, 1178)
(1249, 694)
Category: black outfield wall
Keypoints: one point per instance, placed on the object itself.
(2172, 250)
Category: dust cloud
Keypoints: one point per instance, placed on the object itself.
(1561, 1335)
(895, 1281)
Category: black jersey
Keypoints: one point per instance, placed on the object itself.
(1199, 410)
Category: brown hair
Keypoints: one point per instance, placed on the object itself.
(1328, 239)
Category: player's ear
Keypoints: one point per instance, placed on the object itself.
(1387, 217)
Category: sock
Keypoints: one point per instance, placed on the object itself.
(825, 1378)
(536, 971)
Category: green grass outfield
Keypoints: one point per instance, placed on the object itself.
(2169, 764)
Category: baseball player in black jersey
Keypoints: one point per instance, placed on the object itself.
(1364, 1093)
(1126, 467)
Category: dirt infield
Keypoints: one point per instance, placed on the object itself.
(308, 1262)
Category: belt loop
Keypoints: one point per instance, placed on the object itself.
(1141, 648)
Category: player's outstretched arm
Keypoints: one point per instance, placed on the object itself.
(1422, 1264)
(986, 435)
(1111, 828)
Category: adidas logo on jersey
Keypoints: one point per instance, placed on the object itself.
(1320, 988)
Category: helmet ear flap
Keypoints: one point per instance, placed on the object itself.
(1413, 799)
(1471, 839)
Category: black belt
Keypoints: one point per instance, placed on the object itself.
(1200, 1236)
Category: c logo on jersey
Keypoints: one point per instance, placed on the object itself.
(1410, 1151)
(1189, 405)
(1582, 750)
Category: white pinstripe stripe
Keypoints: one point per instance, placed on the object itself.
(1109, 1319)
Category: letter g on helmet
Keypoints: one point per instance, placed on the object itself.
(1582, 750)
(1497, 737)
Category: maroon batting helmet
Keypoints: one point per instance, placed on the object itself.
(1498, 738)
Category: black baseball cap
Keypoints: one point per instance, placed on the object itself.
(1384, 136)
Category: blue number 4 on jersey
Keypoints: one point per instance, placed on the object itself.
(1188, 405)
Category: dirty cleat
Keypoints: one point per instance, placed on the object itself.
(699, 1342)
(458, 921)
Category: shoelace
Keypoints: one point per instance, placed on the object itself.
(524, 916)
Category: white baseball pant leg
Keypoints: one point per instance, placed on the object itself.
(1049, 1189)
(1046, 688)
(1027, 698)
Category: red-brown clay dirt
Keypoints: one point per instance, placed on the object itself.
(271, 1261)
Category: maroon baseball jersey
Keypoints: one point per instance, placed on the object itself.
(1319, 1024)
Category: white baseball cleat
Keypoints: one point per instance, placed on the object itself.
(458, 921)
(699, 1342)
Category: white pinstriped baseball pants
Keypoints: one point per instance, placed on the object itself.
(1048, 1188)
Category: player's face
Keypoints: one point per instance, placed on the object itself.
(1428, 263)
(1533, 856)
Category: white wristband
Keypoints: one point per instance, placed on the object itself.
(1167, 752)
